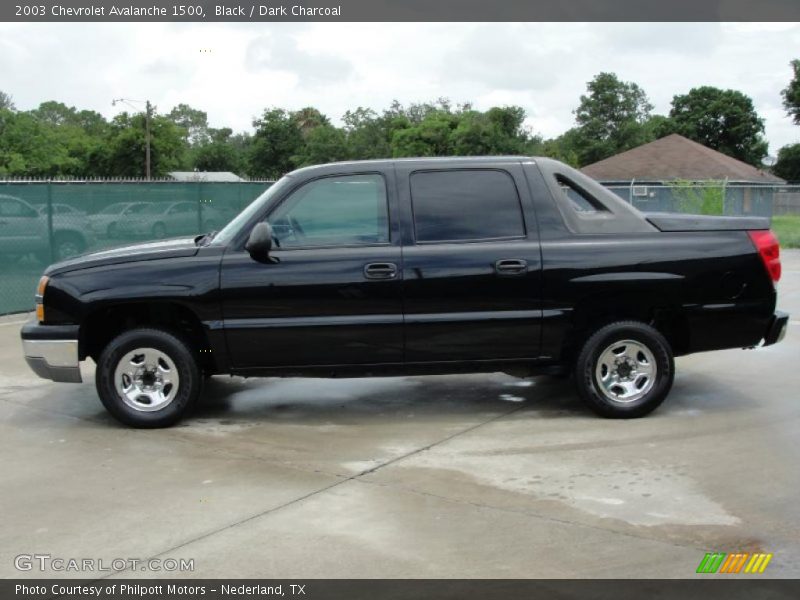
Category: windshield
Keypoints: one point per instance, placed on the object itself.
(231, 229)
(150, 209)
(113, 208)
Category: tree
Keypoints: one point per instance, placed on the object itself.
(724, 120)
(193, 121)
(6, 101)
(308, 119)
(221, 152)
(788, 164)
(791, 94)
(367, 134)
(277, 141)
(126, 146)
(610, 118)
(30, 148)
(323, 144)
(429, 137)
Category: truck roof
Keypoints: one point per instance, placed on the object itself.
(439, 160)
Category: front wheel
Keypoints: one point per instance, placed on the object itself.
(625, 370)
(147, 378)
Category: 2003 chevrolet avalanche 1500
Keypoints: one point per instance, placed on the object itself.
(413, 266)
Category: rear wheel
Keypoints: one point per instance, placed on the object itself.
(625, 370)
(147, 378)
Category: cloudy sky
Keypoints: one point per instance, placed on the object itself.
(244, 68)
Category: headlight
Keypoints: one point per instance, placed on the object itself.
(40, 288)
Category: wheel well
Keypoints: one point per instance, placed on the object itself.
(107, 323)
(669, 321)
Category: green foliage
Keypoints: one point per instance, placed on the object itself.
(613, 116)
(323, 144)
(277, 140)
(724, 120)
(788, 164)
(610, 119)
(221, 151)
(791, 94)
(194, 123)
(30, 148)
(787, 230)
(126, 146)
(6, 101)
(699, 197)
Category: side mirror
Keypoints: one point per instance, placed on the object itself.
(259, 243)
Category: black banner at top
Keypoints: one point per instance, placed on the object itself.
(399, 10)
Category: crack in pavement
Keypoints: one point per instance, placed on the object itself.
(321, 490)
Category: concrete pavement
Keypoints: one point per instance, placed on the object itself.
(464, 476)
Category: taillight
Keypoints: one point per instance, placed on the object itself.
(770, 251)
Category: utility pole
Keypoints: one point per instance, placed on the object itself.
(148, 120)
(148, 115)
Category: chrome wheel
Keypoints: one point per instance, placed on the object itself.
(146, 379)
(626, 371)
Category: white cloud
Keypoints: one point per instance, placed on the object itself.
(543, 67)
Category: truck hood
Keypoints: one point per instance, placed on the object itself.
(122, 254)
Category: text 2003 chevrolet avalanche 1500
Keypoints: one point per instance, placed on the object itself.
(413, 266)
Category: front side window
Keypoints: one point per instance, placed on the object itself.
(345, 210)
(465, 205)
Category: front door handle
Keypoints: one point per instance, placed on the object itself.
(383, 270)
(511, 266)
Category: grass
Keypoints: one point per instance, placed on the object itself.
(787, 228)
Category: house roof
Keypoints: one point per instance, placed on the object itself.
(675, 157)
(223, 176)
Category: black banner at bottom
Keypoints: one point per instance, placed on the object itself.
(729, 588)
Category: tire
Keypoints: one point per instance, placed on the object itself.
(150, 402)
(159, 231)
(625, 370)
(67, 245)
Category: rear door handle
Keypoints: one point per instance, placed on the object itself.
(511, 266)
(383, 270)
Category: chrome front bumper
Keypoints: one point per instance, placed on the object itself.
(52, 351)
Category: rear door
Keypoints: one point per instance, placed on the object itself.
(332, 294)
(471, 262)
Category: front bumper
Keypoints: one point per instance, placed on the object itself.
(777, 328)
(51, 351)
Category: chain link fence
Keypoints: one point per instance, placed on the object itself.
(42, 222)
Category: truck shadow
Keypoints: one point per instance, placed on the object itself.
(298, 398)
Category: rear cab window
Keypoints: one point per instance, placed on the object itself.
(465, 205)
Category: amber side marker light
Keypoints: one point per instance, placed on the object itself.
(40, 288)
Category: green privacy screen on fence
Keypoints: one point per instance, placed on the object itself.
(42, 222)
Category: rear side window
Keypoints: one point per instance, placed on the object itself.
(465, 205)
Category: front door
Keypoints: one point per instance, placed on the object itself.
(331, 296)
(472, 265)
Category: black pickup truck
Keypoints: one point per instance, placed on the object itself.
(413, 266)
